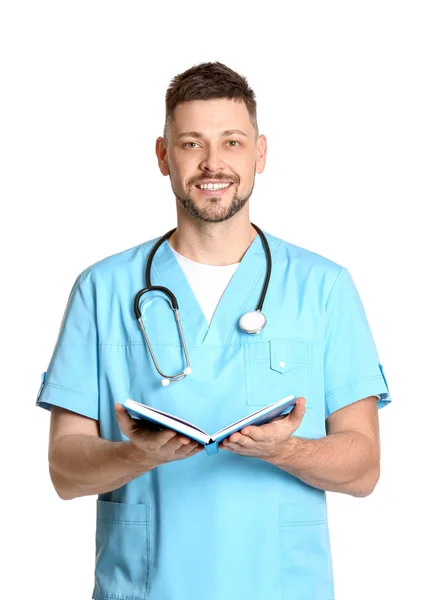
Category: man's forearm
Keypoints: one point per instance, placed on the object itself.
(346, 462)
(82, 465)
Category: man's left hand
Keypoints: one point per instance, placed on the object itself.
(269, 440)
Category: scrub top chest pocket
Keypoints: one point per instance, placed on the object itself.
(276, 368)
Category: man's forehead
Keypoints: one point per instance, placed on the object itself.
(208, 117)
(210, 110)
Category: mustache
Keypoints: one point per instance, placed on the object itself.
(217, 178)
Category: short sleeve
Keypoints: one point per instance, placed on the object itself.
(71, 380)
(352, 370)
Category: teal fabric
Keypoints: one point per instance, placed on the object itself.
(222, 526)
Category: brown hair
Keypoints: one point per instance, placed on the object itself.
(205, 82)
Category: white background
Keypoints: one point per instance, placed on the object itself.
(345, 98)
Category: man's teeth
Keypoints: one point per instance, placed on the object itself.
(214, 186)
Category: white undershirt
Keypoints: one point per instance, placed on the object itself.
(208, 282)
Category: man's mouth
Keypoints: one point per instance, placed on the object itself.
(213, 189)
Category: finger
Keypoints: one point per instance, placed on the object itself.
(199, 448)
(241, 440)
(125, 421)
(132, 427)
(225, 445)
(185, 449)
(254, 433)
(296, 415)
(234, 447)
(234, 438)
(165, 436)
(301, 401)
(181, 443)
(121, 413)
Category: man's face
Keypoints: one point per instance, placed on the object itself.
(203, 147)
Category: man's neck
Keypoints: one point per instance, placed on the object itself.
(213, 243)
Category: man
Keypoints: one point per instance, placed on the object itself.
(251, 521)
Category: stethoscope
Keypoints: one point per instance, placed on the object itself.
(252, 322)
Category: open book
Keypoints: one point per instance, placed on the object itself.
(148, 413)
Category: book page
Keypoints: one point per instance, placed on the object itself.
(151, 409)
(259, 417)
(148, 413)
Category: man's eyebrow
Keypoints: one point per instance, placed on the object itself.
(197, 134)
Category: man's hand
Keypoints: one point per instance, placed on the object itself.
(158, 447)
(269, 440)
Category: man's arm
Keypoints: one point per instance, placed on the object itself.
(82, 463)
(347, 460)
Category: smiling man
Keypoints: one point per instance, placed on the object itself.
(220, 197)
(261, 319)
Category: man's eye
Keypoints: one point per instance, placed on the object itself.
(190, 144)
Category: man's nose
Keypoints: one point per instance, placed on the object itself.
(212, 160)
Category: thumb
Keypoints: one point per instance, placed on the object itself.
(124, 420)
(120, 411)
(297, 413)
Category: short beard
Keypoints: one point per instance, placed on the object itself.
(212, 213)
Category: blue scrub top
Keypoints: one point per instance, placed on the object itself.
(222, 526)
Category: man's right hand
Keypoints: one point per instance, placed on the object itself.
(158, 447)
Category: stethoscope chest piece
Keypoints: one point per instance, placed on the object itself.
(253, 322)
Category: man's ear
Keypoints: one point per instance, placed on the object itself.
(161, 152)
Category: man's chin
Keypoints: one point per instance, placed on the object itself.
(211, 216)
(213, 210)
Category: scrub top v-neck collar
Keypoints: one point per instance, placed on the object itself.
(236, 300)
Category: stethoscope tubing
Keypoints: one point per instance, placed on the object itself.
(269, 267)
(180, 375)
(175, 307)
